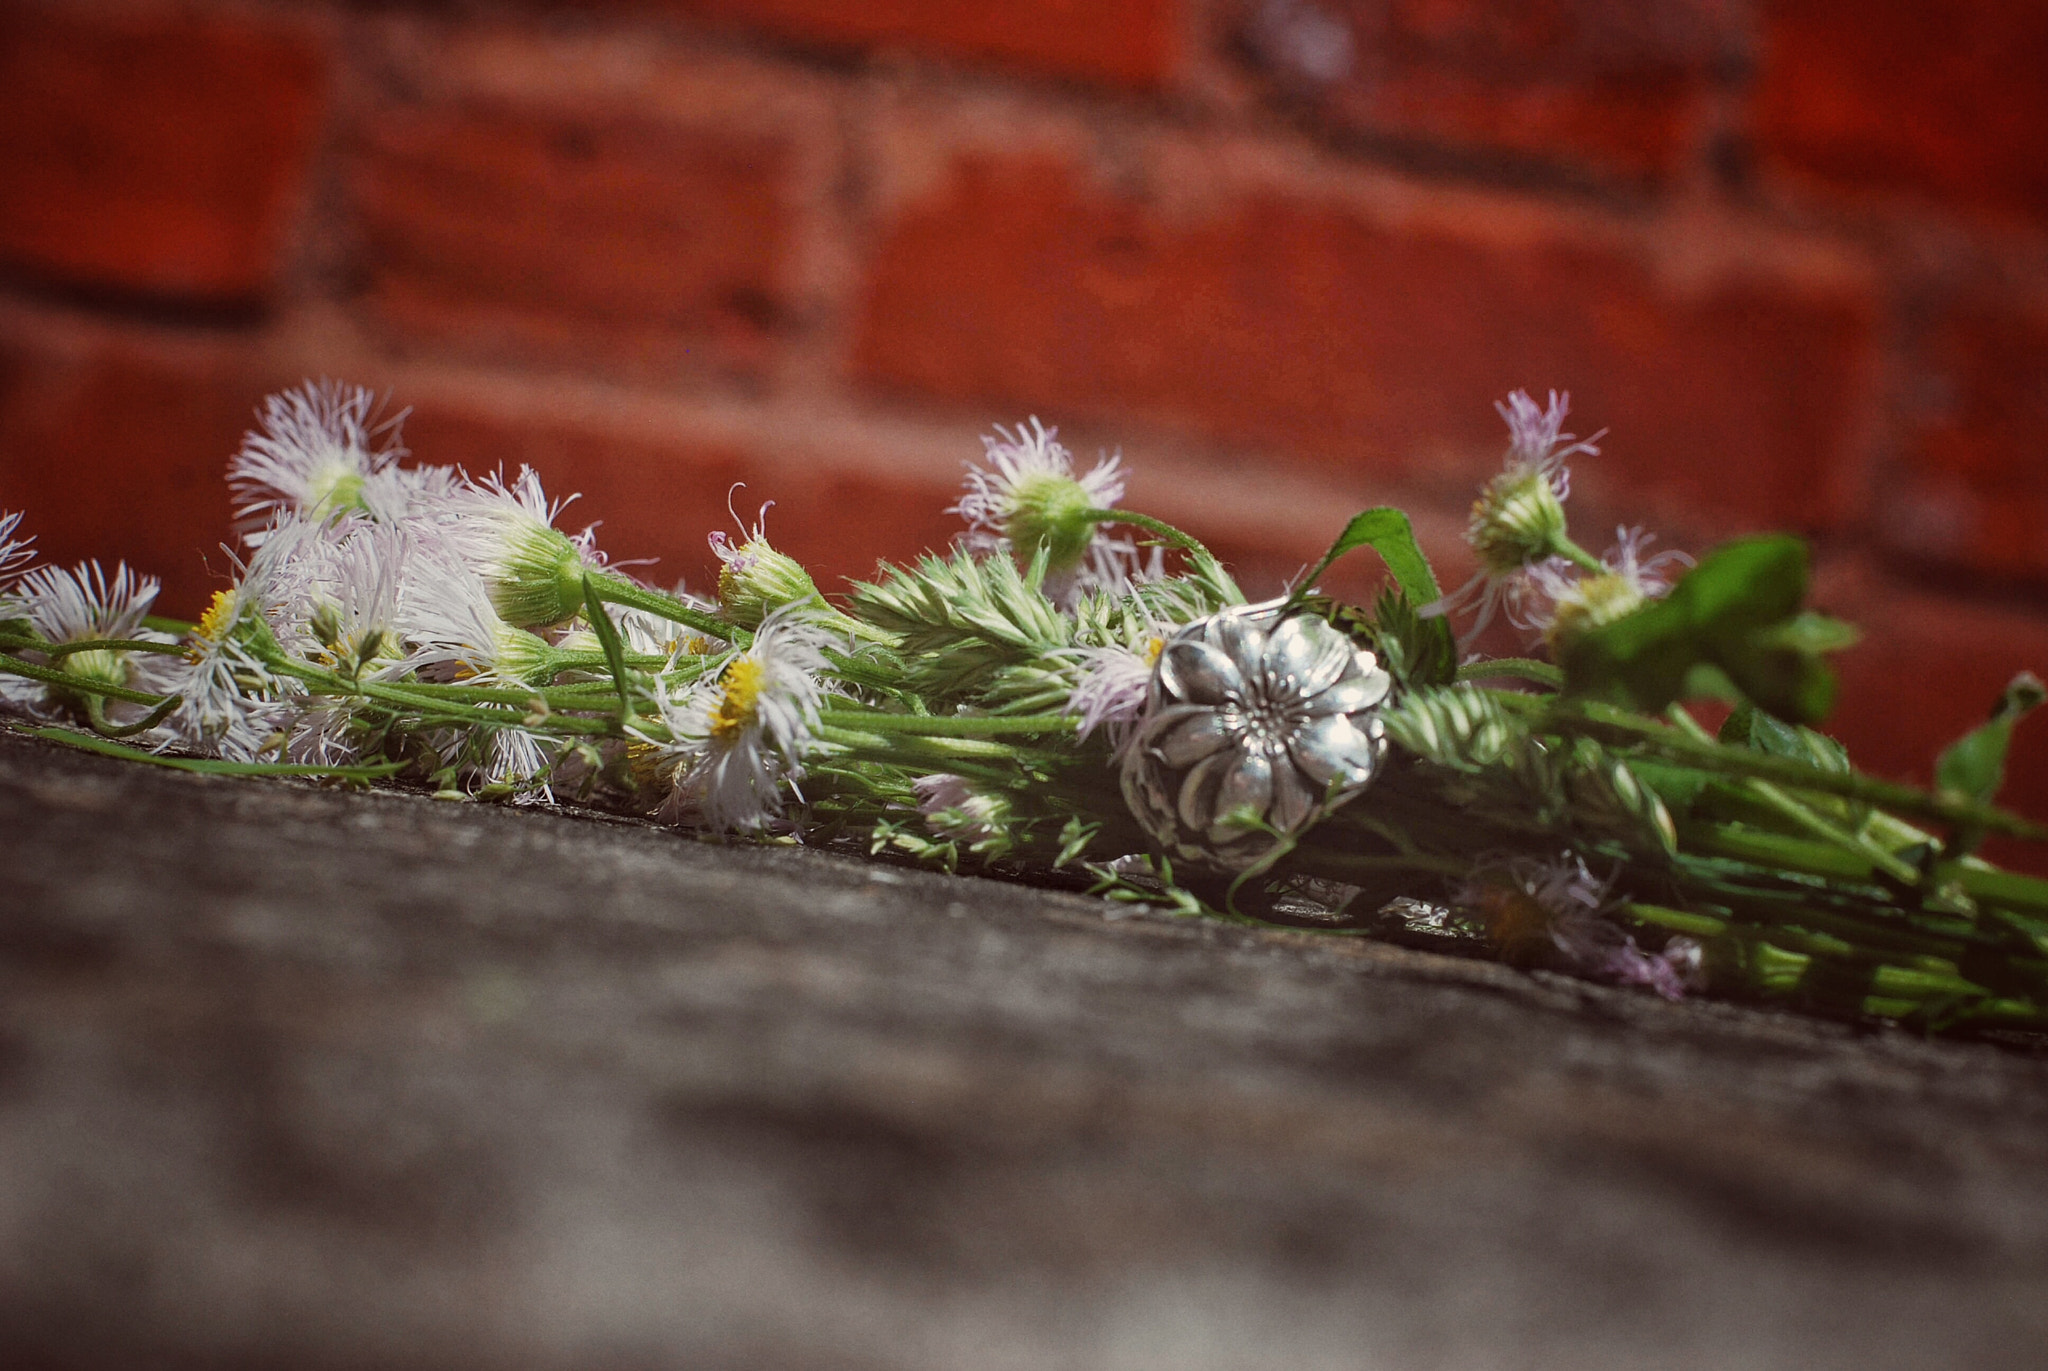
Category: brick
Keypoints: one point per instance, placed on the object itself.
(574, 233)
(120, 451)
(159, 153)
(1120, 42)
(1606, 86)
(1940, 99)
(1366, 348)
(660, 495)
(1970, 488)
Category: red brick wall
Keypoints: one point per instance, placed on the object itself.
(1285, 253)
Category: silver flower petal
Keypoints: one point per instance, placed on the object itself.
(1189, 739)
(1304, 661)
(1197, 673)
(1246, 785)
(1334, 749)
(1242, 638)
(1252, 713)
(1351, 695)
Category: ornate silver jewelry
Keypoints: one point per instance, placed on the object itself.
(1255, 727)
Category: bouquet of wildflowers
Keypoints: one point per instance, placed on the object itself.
(1079, 691)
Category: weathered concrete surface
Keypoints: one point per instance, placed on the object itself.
(300, 1078)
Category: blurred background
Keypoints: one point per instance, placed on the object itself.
(1284, 254)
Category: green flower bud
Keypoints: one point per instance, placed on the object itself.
(1517, 521)
(1050, 511)
(756, 580)
(539, 579)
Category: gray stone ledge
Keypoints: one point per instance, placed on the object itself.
(299, 1077)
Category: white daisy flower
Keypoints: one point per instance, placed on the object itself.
(737, 738)
(338, 597)
(83, 604)
(505, 531)
(1028, 498)
(231, 704)
(319, 454)
(519, 759)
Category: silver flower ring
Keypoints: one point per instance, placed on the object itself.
(1255, 727)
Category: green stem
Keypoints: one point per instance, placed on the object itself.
(83, 685)
(950, 725)
(55, 650)
(1598, 720)
(447, 710)
(618, 590)
(1159, 528)
(1578, 556)
(96, 712)
(1519, 668)
(209, 766)
(1803, 815)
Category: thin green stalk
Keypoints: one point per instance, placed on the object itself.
(211, 766)
(56, 650)
(1598, 720)
(1803, 815)
(952, 725)
(1519, 668)
(1578, 556)
(619, 591)
(96, 713)
(1186, 542)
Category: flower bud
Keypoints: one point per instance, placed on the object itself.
(1048, 510)
(1517, 521)
(538, 580)
(756, 580)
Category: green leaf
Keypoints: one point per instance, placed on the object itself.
(1385, 530)
(608, 638)
(1732, 628)
(1974, 764)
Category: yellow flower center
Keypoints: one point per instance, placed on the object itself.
(1596, 602)
(1153, 649)
(743, 681)
(214, 625)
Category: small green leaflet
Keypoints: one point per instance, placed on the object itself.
(1386, 531)
(1431, 654)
